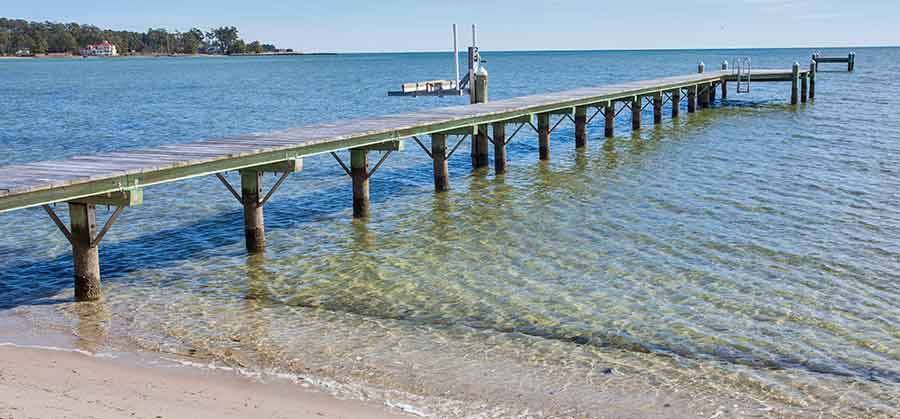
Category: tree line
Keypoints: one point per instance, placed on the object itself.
(51, 37)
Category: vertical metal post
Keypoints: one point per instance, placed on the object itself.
(456, 58)
(439, 156)
(254, 225)
(471, 57)
(580, 126)
(544, 135)
(85, 256)
(499, 131)
(851, 61)
(359, 171)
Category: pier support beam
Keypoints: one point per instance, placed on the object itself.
(479, 139)
(85, 239)
(851, 61)
(724, 82)
(499, 131)
(712, 93)
(804, 88)
(609, 114)
(439, 156)
(85, 255)
(254, 225)
(359, 172)
(580, 127)
(812, 80)
(249, 197)
(703, 96)
(692, 99)
(795, 80)
(544, 136)
(676, 102)
(636, 106)
(657, 107)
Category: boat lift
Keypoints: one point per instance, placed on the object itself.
(456, 87)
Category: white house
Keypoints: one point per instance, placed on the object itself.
(103, 49)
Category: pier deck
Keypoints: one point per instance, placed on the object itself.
(45, 182)
(119, 178)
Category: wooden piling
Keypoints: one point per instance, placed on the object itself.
(804, 88)
(712, 93)
(480, 140)
(254, 226)
(636, 105)
(657, 107)
(851, 61)
(701, 67)
(85, 255)
(359, 171)
(812, 80)
(499, 131)
(580, 126)
(609, 114)
(692, 99)
(676, 102)
(703, 96)
(544, 135)
(724, 82)
(795, 80)
(439, 156)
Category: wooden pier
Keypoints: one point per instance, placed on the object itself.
(850, 60)
(119, 178)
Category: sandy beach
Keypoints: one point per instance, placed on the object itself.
(41, 383)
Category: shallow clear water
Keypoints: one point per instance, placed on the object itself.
(741, 260)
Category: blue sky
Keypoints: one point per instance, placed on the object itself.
(408, 25)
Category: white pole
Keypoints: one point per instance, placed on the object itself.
(456, 59)
(474, 44)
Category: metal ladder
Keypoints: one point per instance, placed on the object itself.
(742, 67)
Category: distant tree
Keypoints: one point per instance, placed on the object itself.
(40, 45)
(4, 42)
(238, 47)
(24, 42)
(40, 37)
(63, 42)
(226, 37)
(192, 41)
(156, 40)
(255, 47)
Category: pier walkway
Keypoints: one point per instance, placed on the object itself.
(119, 178)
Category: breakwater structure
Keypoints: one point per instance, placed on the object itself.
(119, 179)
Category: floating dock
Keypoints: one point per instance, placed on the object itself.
(119, 178)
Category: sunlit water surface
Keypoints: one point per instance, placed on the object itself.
(741, 261)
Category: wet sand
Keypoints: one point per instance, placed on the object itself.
(40, 383)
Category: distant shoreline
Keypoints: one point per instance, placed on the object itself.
(154, 55)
